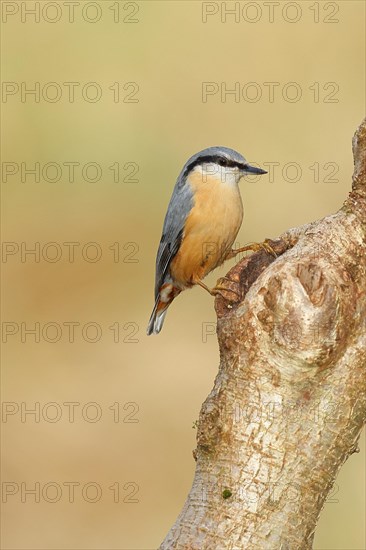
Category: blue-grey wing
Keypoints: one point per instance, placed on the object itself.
(180, 205)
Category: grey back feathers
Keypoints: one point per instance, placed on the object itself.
(179, 207)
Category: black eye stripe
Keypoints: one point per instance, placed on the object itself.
(222, 161)
(225, 162)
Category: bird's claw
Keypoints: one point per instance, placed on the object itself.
(220, 287)
(255, 247)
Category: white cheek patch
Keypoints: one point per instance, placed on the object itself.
(220, 174)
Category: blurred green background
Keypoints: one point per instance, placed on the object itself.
(135, 397)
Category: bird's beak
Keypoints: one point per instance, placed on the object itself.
(247, 169)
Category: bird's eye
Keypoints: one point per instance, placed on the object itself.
(224, 162)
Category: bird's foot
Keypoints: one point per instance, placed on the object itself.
(219, 288)
(254, 247)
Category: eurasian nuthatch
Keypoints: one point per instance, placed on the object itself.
(203, 218)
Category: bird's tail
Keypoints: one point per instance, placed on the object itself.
(157, 317)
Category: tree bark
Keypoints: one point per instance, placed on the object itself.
(288, 402)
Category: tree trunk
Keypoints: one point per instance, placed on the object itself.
(288, 403)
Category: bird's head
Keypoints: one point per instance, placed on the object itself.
(220, 163)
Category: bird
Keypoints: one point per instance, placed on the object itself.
(203, 218)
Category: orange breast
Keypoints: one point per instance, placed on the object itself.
(210, 229)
